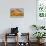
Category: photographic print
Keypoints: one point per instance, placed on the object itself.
(16, 12)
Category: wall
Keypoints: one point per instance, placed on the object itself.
(23, 23)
